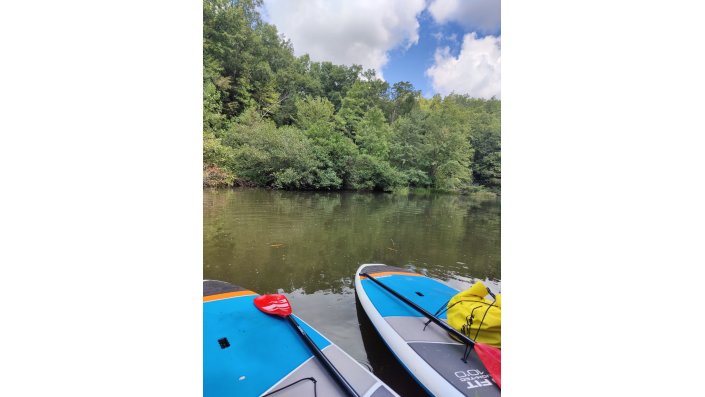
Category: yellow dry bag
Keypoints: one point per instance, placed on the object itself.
(476, 317)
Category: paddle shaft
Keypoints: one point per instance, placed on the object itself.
(421, 310)
(323, 359)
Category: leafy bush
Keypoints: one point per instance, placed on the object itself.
(370, 173)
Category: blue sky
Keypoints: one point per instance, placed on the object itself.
(410, 64)
(440, 46)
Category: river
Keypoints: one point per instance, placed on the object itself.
(307, 245)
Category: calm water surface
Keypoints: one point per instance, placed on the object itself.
(308, 246)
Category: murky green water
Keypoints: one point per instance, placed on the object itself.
(308, 246)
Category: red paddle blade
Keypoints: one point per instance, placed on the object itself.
(275, 304)
(491, 357)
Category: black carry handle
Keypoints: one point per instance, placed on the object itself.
(428, 315)
(323, 359)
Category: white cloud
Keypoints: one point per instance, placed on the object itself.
(479, 15)
(347, 32)
(475, 71)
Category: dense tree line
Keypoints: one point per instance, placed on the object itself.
(273, 119)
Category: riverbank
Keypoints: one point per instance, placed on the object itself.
(477, 193)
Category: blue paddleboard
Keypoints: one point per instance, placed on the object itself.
(250, 353)
(427, 352)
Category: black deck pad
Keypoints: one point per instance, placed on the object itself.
(214, 287)
(472, 379)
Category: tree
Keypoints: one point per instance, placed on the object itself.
(485, 138)
(334, 151)
(404, 100)
(373, 134)
(408, 147)
(448, 146)
(313, 110)
(334, 80)
(362, 96)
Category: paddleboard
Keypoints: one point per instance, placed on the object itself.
(250, 353)
(427, 352)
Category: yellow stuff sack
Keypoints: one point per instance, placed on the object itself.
(476, 317)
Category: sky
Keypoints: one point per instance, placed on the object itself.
(440, 46)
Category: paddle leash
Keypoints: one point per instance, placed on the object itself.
(278, 305)
(490, 356)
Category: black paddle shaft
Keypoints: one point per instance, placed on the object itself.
(421, 310)
(323, 359)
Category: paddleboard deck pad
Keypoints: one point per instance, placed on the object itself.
(250, 353)
(428, 353)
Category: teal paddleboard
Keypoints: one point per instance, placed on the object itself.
(250, 353)
(427, 352)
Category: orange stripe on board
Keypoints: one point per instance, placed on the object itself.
(382, 274)
(226, 295)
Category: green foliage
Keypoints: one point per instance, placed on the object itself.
(214, 152)
(313, 111)
(213, 119)
(408, 148)
(403, 101)
(334, 80)
(485, 137)
(362, 96)
(217, 162)
(373, 134)
(279, 157)
(273, 119)
(370, 173)
(270, 156)
(448, 146)
(334, 151)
